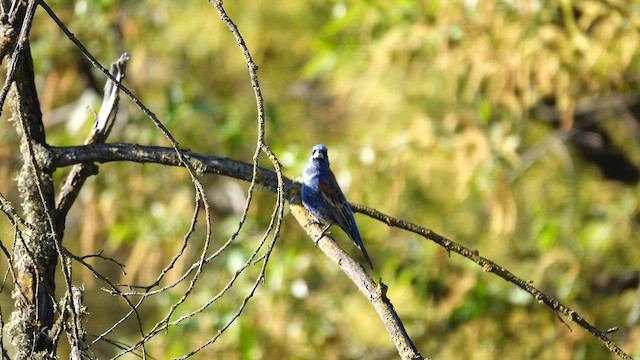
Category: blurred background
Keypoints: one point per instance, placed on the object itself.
(511, 127)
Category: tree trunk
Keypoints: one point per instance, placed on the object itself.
(35, 246)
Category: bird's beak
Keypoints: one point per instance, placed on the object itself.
(318, 155)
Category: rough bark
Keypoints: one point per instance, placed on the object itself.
(35, 248)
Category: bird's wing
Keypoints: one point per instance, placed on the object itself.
(336, 202)
(341, 210)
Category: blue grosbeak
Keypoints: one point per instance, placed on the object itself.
(321, 195)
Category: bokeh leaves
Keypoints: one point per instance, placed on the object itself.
(429, 110)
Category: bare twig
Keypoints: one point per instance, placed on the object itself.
(277, 217)
(77, 344)
(200, 195)
(489, 266)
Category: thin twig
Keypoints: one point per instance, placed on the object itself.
(199, 189)
(489, 266)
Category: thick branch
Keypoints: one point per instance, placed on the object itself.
(376, 293)
(102, 153)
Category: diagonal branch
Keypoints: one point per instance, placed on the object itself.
(376, 293)
(489, 266)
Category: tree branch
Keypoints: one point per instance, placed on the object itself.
(376, 293)
(489, 266)
(102, 153)
(99, 132)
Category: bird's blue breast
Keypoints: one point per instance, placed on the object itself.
(313, 201)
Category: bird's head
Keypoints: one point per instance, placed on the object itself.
(320, 153)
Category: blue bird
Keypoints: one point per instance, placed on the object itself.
(321, 195)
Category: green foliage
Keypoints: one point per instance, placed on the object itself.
(428, 111)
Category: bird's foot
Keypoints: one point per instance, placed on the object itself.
(323, 233)
(312, 222)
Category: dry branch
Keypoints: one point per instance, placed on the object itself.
(65, 156)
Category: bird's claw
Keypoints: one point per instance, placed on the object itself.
(322, 234)
(311, 222)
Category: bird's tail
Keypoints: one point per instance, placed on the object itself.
(358, 241)
(366, 256)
